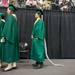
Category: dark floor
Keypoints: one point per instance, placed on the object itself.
(25, 68)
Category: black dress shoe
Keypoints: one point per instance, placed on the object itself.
(39, 66)
(34, 65)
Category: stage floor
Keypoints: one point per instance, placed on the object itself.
(25, 68)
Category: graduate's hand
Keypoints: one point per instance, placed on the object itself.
(2, 40)
(31, 36)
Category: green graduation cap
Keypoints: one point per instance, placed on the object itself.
(1, 14)
(12, 7)
(39, 11)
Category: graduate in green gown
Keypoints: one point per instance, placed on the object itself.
(10, 39)
(38, 34)
(2, 23)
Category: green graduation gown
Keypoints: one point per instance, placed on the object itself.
(2, 23)
(38, 48)
(10, 49)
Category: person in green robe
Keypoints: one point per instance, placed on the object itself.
(10, 39)
(2, 23)
(38, 34)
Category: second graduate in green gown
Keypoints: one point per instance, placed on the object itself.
(38, 35)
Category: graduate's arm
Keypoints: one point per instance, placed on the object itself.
(10, 30)
(41, 31)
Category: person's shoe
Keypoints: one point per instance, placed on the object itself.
(39, 66)
(34, 65)
(14, 65)
(3, 65)
(8, 68)
(0, 65)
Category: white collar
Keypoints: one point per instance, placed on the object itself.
(3, 20)
(14, 16)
